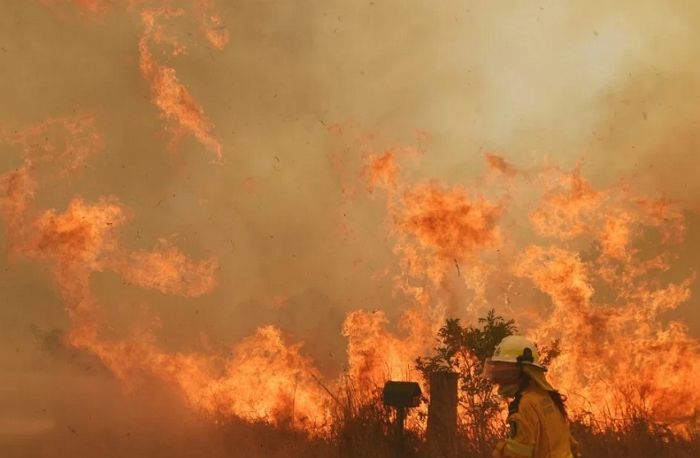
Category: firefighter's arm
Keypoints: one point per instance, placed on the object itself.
(524, 425)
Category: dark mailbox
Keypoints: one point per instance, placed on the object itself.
(402, 394)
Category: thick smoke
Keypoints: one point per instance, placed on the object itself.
(285, 213)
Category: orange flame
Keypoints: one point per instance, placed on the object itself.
(621, 341)
(435, 228)
(374, 354)
(568, 203)
(263, 379)
(170, 96)
(606, 303)
(169, 271)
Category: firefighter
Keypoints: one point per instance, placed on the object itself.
(536, 414)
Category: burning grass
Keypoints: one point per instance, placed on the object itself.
(363, 427)
(366, 430)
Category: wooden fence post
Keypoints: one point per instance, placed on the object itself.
(442, 415)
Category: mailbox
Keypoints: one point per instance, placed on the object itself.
(402, 394)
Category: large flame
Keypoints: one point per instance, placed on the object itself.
(262, 378)
(599, 256)
(594, 253)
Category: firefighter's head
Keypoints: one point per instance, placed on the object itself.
(514, 361)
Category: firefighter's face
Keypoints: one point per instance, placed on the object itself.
(501, 373)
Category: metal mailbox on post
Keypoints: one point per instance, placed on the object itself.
(401, 396)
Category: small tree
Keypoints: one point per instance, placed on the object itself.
(462, 350)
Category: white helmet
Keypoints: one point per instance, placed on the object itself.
(517, 349)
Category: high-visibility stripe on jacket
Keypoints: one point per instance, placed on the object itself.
(537, 428)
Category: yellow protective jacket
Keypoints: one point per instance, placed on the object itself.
(537, 428)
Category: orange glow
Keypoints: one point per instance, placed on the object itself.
(590, 267)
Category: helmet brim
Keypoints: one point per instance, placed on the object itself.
(515, 361)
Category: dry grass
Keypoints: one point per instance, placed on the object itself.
(365, 430)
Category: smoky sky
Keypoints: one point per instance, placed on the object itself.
(614, 86)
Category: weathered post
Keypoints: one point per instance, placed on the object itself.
(442, 415)
(401, 396)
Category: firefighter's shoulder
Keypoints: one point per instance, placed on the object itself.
(527, 399)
